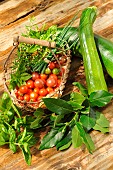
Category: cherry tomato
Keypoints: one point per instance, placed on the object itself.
(39, 83)
(36, 90)
(35, 75)
(56, 71)
(51, 82)
(51, 65)
(58, 82)
(33, 95)
(62, 60)
(30, 84)
(49, 89)
(43, 92)
(47, 70)
(20, 98)
(53, 76)
(40, 97)
(29, 91)
(62, 71)
(43, 76)
(23, 89)
(27, 97)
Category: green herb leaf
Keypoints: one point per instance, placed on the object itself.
(36, 123)
(82, 89)
(65, 142)
(26, 153)
(87, 121)
(52, 138)
(77, 98)
(58, 106)
(76, 138)
(102, 124)
(86, 138)
(2, 140)
(100, 98)
(13, 147)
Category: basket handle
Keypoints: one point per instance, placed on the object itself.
(18, 39)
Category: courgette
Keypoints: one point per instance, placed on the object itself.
(104, 47)
(93, 69)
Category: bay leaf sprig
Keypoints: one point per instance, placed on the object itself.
(72, 119)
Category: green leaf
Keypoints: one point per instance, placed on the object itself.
(12, 146)
(65, 142)
(52, 138)
(76, 138)
(75, 105)
(26, 153)
(102, 124)
(36, 123)
(2, 140)
(87, 121)
(58, 106)
(66, 146)
(86, 138)
(82, 89)
(100, 98)
(77, 97)
(12, 134)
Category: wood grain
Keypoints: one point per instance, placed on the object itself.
(14, 16)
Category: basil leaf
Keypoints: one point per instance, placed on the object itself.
(100, 98)
(2, 140)
(26, 153)
(52, 138)
(76, 137)
(58, 106)
(12, 146)
(75, 105)
(36, 123)
(82, 89)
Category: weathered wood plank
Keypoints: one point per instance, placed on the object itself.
(56, 12)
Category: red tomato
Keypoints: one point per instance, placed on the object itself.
(49, 89)
(33, 95)
(20, 98)
(40, 97)
(23, 89)
(29, 91)
(27, 97)
(43, 76)
(30, 84)
(51, 65)
(35, 75)
(62, 60)
(62, 71)
(58, 82)
(51, 82)
(39, 83)
(53, 76)
(36, 90)
(43, 92)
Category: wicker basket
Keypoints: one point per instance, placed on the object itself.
(32, 106)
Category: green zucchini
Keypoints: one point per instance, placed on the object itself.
(93, 69)
(105, 50)
(104, 47)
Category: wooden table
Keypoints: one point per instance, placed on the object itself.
(14, 15)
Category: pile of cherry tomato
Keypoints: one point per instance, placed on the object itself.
(40, 85)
